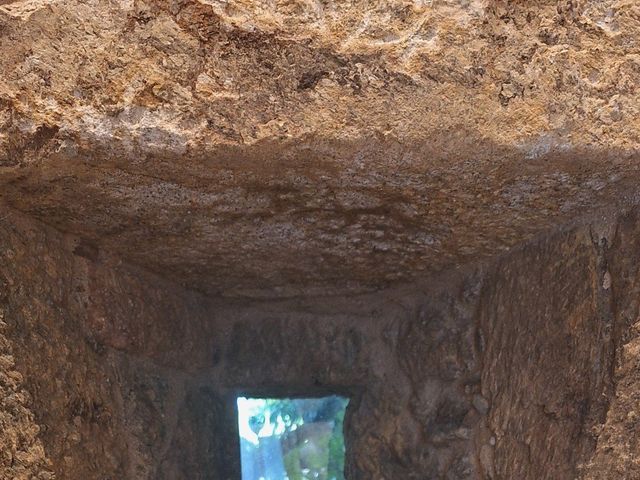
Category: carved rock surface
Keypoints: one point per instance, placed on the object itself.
(22, 454)
(280, 148)
(115, 373)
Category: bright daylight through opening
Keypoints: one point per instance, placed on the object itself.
(292, 438)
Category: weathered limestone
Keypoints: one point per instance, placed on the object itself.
(22, 455)
(275, 149)
(502, 371)
(429, 206)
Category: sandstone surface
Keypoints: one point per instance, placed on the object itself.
(183, 184)
(314, 146)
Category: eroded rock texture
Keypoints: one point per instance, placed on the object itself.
(98, 413)
(185, 183)
(502, 371)
(257, 148)
(22, 456)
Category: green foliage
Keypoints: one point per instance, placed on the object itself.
(335, 467)
(292, 465)
(284, 412)
(311, 435)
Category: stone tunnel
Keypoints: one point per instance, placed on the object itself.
(428, 207)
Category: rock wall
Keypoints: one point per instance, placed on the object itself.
(618, 450)
(497, 371)
(97, 412)
(545, 328)
(22, 455)
(279, 149)
(313, 154)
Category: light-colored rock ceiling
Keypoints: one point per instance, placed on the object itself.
(314, 146)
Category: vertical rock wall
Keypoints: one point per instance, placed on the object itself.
(617, 453)
(545, 330)
(98, 412)
(22, 455)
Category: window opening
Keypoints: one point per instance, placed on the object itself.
(292, 438)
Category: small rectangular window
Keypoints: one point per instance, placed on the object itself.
(292, 438)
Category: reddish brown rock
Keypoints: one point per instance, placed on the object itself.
(247, 149)
(427, 206)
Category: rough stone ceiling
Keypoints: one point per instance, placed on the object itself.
(280, 148)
